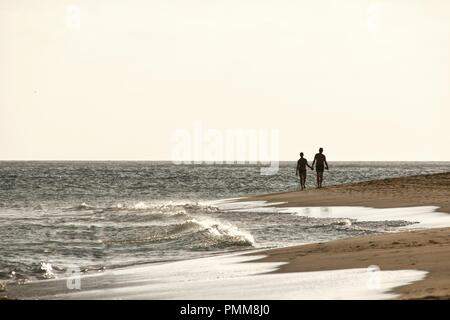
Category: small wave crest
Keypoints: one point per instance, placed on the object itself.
(171, 208)
(223, 230)
(80, 207)
(343, 222)
(45, 270)
(208, 234)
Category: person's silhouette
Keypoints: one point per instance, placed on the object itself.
(321, 163)
(302, 163)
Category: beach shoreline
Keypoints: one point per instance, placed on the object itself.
(410, 191)
(427, 249)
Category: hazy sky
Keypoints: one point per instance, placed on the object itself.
(113, 79)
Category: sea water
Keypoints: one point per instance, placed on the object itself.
(104, 215)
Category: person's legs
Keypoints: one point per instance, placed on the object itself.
(303, 179)
(318, 179)
(300, 181)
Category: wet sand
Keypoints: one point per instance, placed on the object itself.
(427, 250)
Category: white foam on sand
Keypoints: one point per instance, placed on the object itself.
(234, 276)
(424, 216)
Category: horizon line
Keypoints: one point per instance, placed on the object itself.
(193, 162)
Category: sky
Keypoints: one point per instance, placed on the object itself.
(114, 80)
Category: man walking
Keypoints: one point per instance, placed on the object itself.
(321, 163)
(302, 163)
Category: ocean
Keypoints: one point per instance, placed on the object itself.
(102, 215)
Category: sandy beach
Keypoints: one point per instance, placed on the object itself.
(422, 250)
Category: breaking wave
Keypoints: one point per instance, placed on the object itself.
(213, 234)
(189, 225)
(194, 233)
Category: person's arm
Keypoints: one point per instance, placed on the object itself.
(325, 160)
(314, 161)
(309, 165)
(296, 171)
